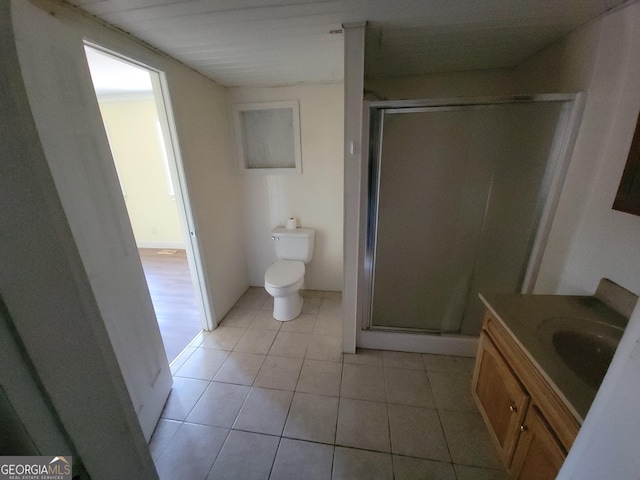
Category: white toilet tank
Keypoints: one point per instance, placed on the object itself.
(294, 244)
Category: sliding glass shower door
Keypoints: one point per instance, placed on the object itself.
(455, 198)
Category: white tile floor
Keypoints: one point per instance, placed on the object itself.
(261, 399)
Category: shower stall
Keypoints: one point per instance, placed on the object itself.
(460, 198)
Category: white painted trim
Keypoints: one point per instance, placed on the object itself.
(124, 97)
(172, 245)
(560, 155)
(294, 105)
(456, 345)
(171, 191)
(176, 169)
(353, 166)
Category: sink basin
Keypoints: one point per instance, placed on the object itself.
(585, 346)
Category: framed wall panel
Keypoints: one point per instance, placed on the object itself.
(268, 137)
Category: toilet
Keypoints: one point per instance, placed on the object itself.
(285, 277)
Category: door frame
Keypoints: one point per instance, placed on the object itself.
(166, 118)
(553, 180)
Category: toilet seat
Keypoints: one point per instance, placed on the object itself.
(284, 273)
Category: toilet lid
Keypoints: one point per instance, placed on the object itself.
(284, 273)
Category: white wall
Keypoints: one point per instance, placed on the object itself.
(200, 112)
(46, 292)
(76, 206)
(456, 84)
(20, 388)
(314, 197)
(65, 112)
(133, 129)
(200, 109)
(354, 194)
(588, 239)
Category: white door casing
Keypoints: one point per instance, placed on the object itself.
(176, 170)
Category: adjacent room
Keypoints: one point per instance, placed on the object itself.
(321, 240)
(131, 111)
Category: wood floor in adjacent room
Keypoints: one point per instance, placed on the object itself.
(173, 297)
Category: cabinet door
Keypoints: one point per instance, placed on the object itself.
(501, 398)
(539, 455)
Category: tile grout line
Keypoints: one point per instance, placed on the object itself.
(273, 462)
(226, 439)
(386, 397)
(168, 441)
(342, 362)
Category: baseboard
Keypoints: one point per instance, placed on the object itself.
(174, 245)
(457, 345)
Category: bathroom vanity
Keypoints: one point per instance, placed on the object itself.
(541, 359)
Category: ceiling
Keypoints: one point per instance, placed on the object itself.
(283, 42)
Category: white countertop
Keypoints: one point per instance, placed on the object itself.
(522, 314)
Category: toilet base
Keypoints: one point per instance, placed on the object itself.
(287, 308)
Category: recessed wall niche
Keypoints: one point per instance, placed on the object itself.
(268, 137)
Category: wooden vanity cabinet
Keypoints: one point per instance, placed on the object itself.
(531, 426)
(500, 396)
(539, 456)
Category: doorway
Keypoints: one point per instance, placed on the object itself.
(136, 119)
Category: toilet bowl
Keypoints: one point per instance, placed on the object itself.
(283, 281)
(285, 277)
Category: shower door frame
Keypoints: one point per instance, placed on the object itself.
(552, 183)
